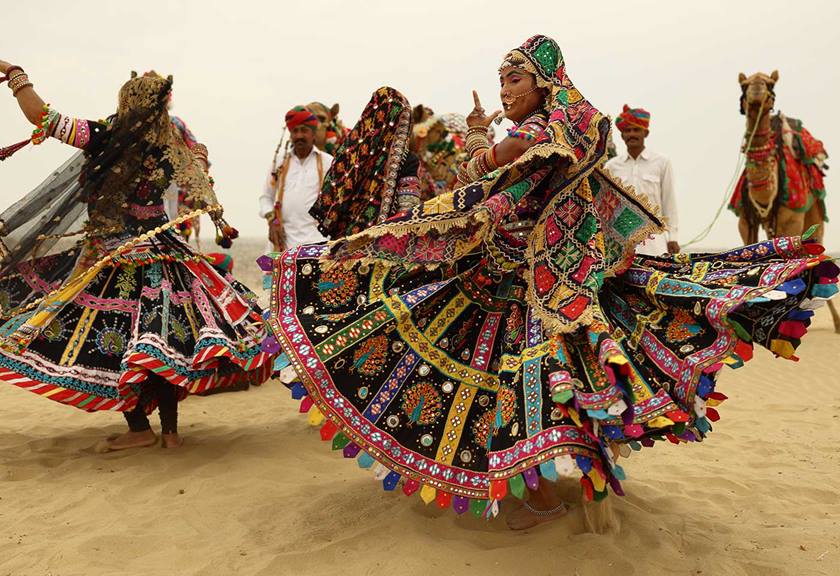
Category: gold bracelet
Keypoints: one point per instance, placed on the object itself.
(19, 88)
(16, 76)
(19, 81)
(476, 140)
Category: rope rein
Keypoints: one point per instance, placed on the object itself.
(732, 183)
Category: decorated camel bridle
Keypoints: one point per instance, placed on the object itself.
(761, 165)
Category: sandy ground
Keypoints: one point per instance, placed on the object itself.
(254, 491)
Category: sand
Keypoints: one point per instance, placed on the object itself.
(254, 491)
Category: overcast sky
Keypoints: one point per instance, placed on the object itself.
(239, 66)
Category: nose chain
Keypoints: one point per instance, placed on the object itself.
(510, 98)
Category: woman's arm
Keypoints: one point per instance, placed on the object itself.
(484, 158)
(76, 132)
(28, 100)
(510, 149)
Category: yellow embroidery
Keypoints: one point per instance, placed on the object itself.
(699, 271)
(418, 341)
(455, 421)
(447, 316)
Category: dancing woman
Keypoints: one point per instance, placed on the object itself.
(497, 336)
(374, 174)
(126, 317)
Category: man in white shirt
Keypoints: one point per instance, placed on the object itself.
(650, 175)
(293, 187)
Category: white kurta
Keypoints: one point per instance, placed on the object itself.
(651, 176)
(301, 192)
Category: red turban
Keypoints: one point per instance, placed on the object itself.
(633, 117)
(300, 115)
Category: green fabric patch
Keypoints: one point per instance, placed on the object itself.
(547, 56)
(587, 229)
(518, 190)
(627, 222)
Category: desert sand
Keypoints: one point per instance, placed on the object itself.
(254, 491)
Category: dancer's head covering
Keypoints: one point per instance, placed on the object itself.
(300, 115)
(139, 139)
(633, 118)
(360, 185)
(541, 56)
(570, 115)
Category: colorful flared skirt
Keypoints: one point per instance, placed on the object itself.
(446, 383)
(158, 308)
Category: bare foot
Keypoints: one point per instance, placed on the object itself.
(130, 439)
(527, 517)
(171, 440)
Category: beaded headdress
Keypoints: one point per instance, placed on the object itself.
(541, 56)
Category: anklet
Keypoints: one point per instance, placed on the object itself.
(555, 510)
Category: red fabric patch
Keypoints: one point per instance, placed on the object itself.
(583, 270)
(813, 147)
(797, 183)
(430, 249)
(576, 308)
(816, 178)
(606, 205)
(552, 232)
(544, 279)
(393, 244)
(218, 287)
(738, 194)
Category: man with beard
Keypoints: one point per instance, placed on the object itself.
(649, 174)
(293, 187)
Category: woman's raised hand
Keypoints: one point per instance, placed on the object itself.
(478, 117)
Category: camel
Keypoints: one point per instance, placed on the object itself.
(781, 189)
(331, 131)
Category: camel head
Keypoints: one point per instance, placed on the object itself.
(757, 89)
(421, 113)
(322, 113)
(327, 121)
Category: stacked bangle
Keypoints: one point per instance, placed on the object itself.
(486, 162)
(19, 81)
(477, 140)
(9, 73)
(482, 163)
